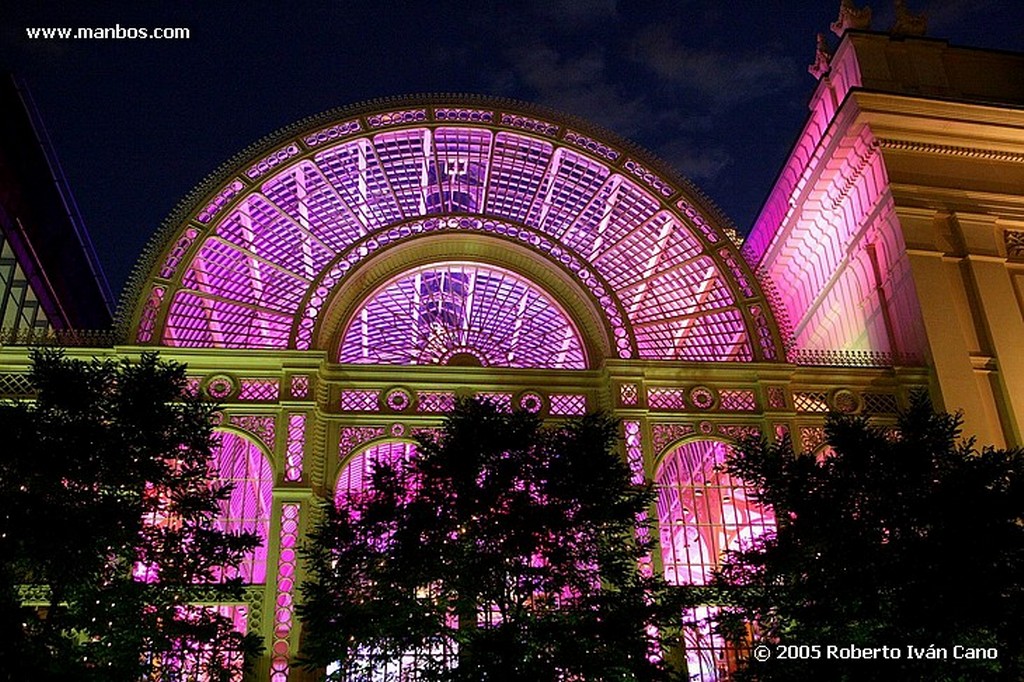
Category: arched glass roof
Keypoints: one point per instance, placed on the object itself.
(462, 313)
(255, 257)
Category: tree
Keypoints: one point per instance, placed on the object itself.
(108, 503)
(905, 537)
(503, 550)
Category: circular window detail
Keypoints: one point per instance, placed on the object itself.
(398, 399)
(531, 402)
(845, 401)
(397, 430)
(220, 386)
(707, 428)
(702, 397)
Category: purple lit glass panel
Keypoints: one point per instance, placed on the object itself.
(355, 477)
(356, 174)
(305, 196)
(201, 321)
(573, 181)
(518, 167)
(702, 513)
(460, 313)
(241, 463)
(460, 173)
(406, 159)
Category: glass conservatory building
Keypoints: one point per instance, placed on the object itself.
(339, 283)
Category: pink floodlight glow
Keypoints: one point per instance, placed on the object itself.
(268, 258)
(702, 513)
(462, 314)
(241, 463)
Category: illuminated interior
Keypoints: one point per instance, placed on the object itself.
(702, 513)
(241, 463)
(461, 313)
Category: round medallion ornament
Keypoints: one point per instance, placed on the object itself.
(845, 401)
(397, 430)
(702, 397)
(707, 428)
(398, 400)
(531, 402)
(220, 386)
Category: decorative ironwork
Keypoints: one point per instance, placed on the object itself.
(810, 401)
(352, 437)
(567, 404)
(663, 435)
(435, 401)
(811, 437)
(845, 401)
(666, 398)
(398, 399)
(702, 397)
(359, 400)
(261, 426)
(284, 604)
(737, 400)
(259, 389)
(531, 402)
(880, 403)
(776, 397)
(629, 395)
(300, 386)
(220, 386)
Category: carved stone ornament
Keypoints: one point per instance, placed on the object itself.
(1014, 244)
(908, 24)
(822, 58)
(851, 16)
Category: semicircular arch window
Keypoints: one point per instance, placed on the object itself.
(462, 314)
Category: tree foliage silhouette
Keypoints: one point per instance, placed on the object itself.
(108, 501)
(905, 536)
(503, 550)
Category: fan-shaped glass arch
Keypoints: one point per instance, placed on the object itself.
(462, 313)
(702, 513)
(250, 265)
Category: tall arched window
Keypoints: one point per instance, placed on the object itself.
(702, 513)
(241, 462)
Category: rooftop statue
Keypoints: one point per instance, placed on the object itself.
(851, 16)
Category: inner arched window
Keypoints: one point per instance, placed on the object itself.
(462, 314)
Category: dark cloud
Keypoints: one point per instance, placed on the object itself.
(718, 78)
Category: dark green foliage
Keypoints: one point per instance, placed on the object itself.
(107, 470)
(903, 537)
(499, 515)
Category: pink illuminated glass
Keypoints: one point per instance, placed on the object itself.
(356, 475)
(296, 446)
(241, 463)
(284, 605)
(254, 279)
(462, 314)
(702, 513)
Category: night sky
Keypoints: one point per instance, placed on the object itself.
(717, 89)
